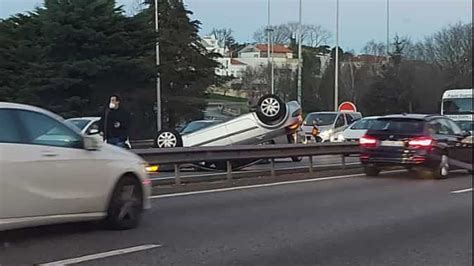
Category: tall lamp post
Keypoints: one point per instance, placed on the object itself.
(270, 49)
(336, 64)
(388, 29)
(300, 61)
(158, 79)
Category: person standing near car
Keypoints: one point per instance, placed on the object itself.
(115, 123)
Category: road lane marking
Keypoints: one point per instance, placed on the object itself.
(101, 255)
(461, 191)
(263, 185)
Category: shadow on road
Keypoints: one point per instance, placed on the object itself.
(18, 236)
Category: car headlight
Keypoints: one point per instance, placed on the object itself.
(153, 168)
(326, 134)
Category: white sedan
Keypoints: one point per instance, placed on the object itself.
(355, 131)
(90, 126)
(51, 173)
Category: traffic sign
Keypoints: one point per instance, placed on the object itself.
(347, 107)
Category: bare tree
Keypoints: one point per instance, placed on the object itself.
(375, 48)
(450, 49)
(312, 35)
(224, 36)
(315, 35)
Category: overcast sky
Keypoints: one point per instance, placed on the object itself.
(360, 20)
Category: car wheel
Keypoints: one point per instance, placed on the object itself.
(125, 207)
(271, 109)
(371, 171)
(442, 170)
(168, 139)
(297, 159)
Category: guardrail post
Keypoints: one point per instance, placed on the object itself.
(311, 164)
(272, 167)
(343, 161)
(229, 170)
(177, 174)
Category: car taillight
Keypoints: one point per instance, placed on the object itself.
(368, 141)
(420, 142)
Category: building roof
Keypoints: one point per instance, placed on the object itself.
(236, 62)
(277, 48)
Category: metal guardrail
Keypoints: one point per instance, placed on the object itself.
(182, 155)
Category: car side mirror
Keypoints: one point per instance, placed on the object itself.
(93, 131)
(92, 143)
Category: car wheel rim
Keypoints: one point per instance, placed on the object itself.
(129, 203)
(270, 107)
(167, 140)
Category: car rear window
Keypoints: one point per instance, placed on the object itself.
(398, 126)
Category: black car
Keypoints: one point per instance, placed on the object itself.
(418, 142)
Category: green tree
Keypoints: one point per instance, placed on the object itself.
(186, 68)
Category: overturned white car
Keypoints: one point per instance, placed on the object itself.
(273, 120)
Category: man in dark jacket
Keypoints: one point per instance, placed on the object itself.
(115, 123)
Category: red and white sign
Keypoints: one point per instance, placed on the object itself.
(347, 107)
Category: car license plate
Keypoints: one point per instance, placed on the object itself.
(392, 143)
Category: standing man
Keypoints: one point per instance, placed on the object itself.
(115, 123)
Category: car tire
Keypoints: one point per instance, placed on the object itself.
(270, 109)
(297, 159)
(168, 138)
(125, 207)
(371, 171)
(442, 170)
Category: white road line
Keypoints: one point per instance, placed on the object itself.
(262, 185)
(101, 255)
(461, 191)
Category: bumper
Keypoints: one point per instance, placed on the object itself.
(400, 158)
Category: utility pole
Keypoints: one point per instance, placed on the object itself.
(336, 64)
(388, 29)
(270, 49)
(158, 79)
(300, 60)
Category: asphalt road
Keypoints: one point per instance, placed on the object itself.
(394, 219)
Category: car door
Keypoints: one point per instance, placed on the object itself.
(51, 174)
(10, 140)
(339, 124)
(460, 150)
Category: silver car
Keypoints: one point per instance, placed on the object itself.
(355, 131)
(272, 120)
(90, 126)
(328, 124)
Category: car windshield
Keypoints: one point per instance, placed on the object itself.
(321, 119)
(197, 125)
(398, 126)
(79, 123)
(363, 124)
(466, 125)
(458, 106)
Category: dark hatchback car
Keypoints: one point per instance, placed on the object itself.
(418, 142)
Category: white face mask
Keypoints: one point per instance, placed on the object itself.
(112, 105)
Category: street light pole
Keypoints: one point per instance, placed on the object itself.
(388, 29)
(270, 50)
(336, 64)
(158, 79)
(300, 60)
